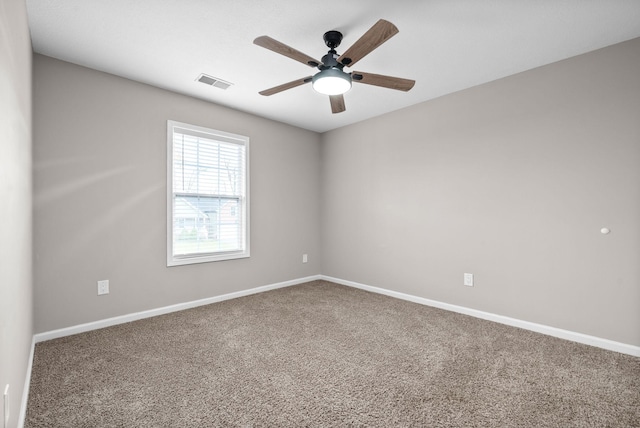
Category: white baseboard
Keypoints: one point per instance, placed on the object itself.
(27, 383)
(68, 331)
(539, 328)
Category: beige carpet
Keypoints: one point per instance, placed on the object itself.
(320, 354)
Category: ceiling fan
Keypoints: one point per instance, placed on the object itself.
(332, 80)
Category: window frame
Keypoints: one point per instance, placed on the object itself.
(215, 135)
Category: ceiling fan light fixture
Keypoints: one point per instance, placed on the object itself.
(331, 81)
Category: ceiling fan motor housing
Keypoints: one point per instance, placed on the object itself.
(330, 60)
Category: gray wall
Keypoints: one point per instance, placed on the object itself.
(100, 198)
(15, 203)
(511, 181)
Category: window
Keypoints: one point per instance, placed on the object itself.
(208, 195)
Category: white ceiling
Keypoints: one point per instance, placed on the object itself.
(445, 45)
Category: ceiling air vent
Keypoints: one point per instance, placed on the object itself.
(213, 81)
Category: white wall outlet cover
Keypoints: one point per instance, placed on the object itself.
(304, 258)
(468, 279)
(103, 287)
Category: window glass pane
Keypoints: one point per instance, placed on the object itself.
(207, 167)
(205, 225)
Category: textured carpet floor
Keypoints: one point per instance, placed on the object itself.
(320, 354)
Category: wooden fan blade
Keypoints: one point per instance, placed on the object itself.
(279, 47)
(337, 103)
(285, 86)
(384, 81)
(374, 37)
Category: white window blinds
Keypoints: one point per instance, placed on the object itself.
(208, 195)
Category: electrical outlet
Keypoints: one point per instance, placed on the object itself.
(6, 406)
(468, 279)
(304, 258)
(103, 287)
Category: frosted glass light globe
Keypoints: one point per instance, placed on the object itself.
(332, 81)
